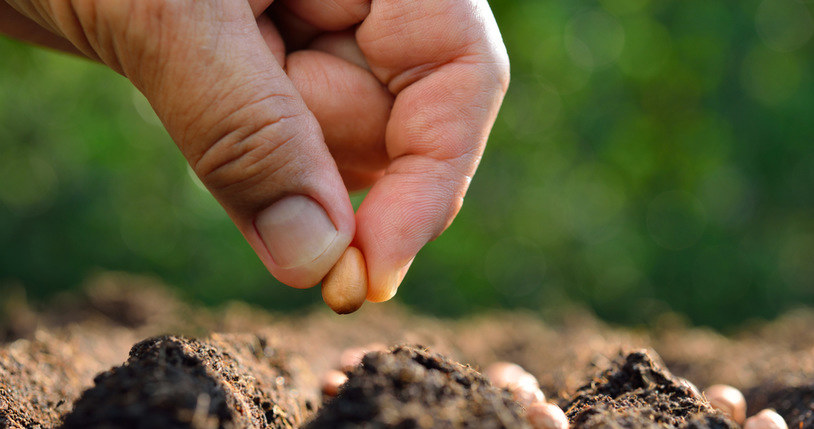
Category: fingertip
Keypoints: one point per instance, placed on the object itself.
(383, 287)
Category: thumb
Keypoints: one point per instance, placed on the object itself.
(238, 120)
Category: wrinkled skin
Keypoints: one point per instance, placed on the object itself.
(307, 97)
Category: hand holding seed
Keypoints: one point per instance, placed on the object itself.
(401, 104)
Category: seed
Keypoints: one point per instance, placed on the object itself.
(344, 288)
(546, 416)
(524, 380)
(766, 419)
(729, 400)
(527, 395)
(331, 382)
(506, 374)
(524, 387)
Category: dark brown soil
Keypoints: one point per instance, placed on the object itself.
(794, 403)
(638, 392)
(172, 382)
(411, 387)
(73, 363)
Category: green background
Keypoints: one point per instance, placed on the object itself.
(651, 155)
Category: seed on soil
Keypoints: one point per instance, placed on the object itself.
(766, 419)
(525, 381)
(524, 387)
(546, 416)
(728, 400)
(331, 382)
(527, 395)
(506, 375)
(344, 288)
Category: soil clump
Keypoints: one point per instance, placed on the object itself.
(173, 382)
(638, 392)
(410, 387)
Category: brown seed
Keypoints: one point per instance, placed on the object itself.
(728, 400)
(331, 382)
(344, 288)
(546, 416)
(766, 419)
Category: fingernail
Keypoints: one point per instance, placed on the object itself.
(403, 272)
(391, 284)
(296, 230)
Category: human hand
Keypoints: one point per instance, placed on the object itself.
(248, 89)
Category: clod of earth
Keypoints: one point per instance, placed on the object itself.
(173, 382)
(411, 387)
(639, 392)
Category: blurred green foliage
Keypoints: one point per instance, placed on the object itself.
(650, 156)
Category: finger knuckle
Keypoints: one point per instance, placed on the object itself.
(107, 29)
(246, 157)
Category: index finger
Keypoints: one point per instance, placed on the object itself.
(446, 63)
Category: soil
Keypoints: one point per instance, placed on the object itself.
(173, 382)
(410, 387)
(638, 392)
(102, 358)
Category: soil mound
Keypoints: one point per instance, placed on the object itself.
(410, 387)
(638, 392)
(175, 382)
